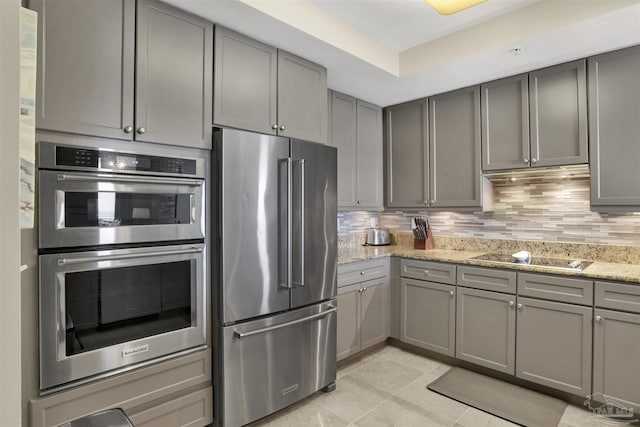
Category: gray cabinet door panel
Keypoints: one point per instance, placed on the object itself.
(505, 124)
(556, 288)
(407, 155)
(245, 82)
(488, 279)
(85, 66)
(174, 60)
(348, 323)
(374, 312)
(616, 365)
(617, 296)
(369, 155)
(343, 137)
(302, 98)
(554, 345)
(454, 149)
(558, 111)
(486, 329)
(614, 129)
(428, 315)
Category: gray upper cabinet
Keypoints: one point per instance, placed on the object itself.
(614, 129)
(454, 149)
(356, 131)
(558, 113)
(302, 98)
(245, 82)
(263, 89)
(369, 175)
(86, 67)
(343, 133)
(554, 345)
(407, 154)
(505, 124)
(486, 329)
(174, 60)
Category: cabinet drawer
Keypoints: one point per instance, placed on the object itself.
(356, 272)
(489, 279)
(427, 270)
(618, 296)
(193, 410)
(555, 288)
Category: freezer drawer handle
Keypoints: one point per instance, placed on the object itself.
(284, 325)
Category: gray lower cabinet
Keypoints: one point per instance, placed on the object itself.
(407, 155)
(260, 88)
(616, 365)
(486, 329)
(356, 131)
(614, 129)
(363, 318)
(554, 345)
(428, 315)
(558, 115)
(454, 149)
(169, 393)
(505, 124)
(124, 69)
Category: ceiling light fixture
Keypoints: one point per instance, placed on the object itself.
(447, 7)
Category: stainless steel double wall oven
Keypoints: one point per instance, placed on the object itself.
(122, 257)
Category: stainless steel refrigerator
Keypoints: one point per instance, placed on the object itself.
(277, 227)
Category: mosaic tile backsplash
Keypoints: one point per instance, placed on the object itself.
(530, 208)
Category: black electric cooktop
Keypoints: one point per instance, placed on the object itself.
(565, 264)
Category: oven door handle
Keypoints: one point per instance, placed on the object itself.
(133, 179)
(284, 325)
(82, 260)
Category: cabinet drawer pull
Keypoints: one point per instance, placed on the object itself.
(426, 272)
(362, 273)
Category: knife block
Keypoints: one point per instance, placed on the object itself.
(427, 243)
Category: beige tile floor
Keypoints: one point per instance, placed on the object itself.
(387, 387)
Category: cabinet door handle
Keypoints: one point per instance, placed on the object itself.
(598, 318)
(362, 273)
(365, 289)
(359, 202)
(525, 161)
(274, 127)
(128, 129)
(520, 306)
(451, 293)
(534, 161)
(511, 303)
(141, 130)
(282, 127)
(426, 202)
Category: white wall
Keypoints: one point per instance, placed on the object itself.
(10, 325)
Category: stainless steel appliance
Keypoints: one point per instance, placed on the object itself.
(92, 196)
(378, 237)
(122, 258)
(277, 272)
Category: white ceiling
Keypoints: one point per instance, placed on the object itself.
(402, 24)
(390, 51)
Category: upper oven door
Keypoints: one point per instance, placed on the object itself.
(89, 209)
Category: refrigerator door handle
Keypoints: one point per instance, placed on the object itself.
(284, 325)
(302, 215)
(289, 222)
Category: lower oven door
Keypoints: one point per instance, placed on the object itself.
(106, 311)
(270, 363)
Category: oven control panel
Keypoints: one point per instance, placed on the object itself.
(114, 161)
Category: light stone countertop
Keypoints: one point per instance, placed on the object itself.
(597, 270)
